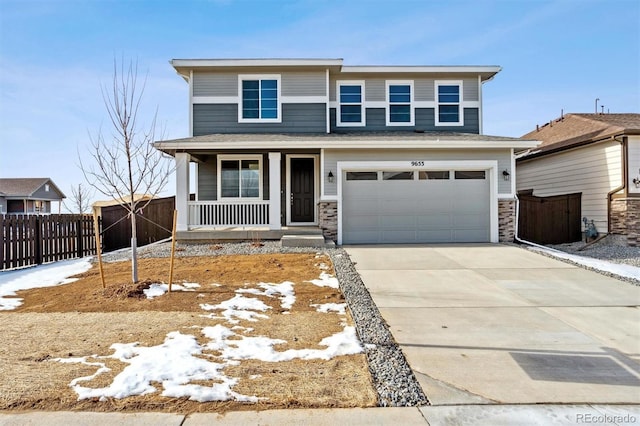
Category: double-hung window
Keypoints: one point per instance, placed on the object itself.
(449, 105)
(400, 103)
(259, 98)
(351, 110)
(239, 177)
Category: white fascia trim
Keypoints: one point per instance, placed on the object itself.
(513, 171)
(490, 165)
(259, 77)
(191, 103)
(388, 103)
(480, 105)
(236, 100)
(216, 100)
(239, 157)
(328, 108)
(419, 69)
(363, 103)
(342, 144)
(303, 99)
(256, 62)
(460, 103)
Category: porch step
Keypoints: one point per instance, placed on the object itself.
(302, 241)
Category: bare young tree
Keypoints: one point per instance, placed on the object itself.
(125, 163)
(80, 200)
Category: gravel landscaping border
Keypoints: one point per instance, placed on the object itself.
(392, 377)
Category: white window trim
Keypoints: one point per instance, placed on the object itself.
(460, 103)
(222, 158)
(363, 116)
(276, 77)
(411, 102)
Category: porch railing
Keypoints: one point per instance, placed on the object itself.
(224, 213)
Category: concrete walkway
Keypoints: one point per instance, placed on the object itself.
(471, 415)
(486, 324)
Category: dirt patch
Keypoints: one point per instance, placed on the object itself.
(83, 320)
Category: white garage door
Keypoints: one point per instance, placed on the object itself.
(415, 206)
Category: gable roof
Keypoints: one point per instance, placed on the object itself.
(25, 187)
(574, 130)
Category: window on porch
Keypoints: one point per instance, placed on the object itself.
(240, 178)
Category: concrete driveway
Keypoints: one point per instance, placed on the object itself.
(492, 323)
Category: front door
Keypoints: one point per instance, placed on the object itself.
(302, 190)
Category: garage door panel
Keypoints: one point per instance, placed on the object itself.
(435, 236)
(410, 211)
(434, 221)
(397, 222)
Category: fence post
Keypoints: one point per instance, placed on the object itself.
(38, 239)
(79, 236)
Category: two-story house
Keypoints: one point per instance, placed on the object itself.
(368, 154)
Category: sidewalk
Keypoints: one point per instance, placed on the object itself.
(476, 415)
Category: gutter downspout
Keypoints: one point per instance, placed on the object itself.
(623, 147)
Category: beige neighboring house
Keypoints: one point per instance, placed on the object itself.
(29, 196)
(98, 205)
(597, 155)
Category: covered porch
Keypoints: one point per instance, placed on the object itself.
(242, 195)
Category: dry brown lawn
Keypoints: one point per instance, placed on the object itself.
(83, 319)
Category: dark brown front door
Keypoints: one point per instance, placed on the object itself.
(302, 190)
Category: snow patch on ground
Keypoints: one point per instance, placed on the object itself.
(238, 308)
(285, 290)
(50, 275)
(173, 364)
(156, 290)
(627, 271)
(326, 280)
(331, 307)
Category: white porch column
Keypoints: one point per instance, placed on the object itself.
(182, 190)
(274, 190)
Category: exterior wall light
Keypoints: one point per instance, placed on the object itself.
(505, 175)
(636, 181)
(330, 176)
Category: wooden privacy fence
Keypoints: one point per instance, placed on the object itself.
(550, 220)
(35, 239)
(152, 224)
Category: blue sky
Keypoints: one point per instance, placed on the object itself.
(55, 54)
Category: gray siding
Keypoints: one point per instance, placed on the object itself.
(215, 84)
(470, 89)
(424, 88)
(331, 157)
(304, 84)
(223, 118)
(207, 183)
(424, 120)
(226, 84)
(41, 194)
(3, 205)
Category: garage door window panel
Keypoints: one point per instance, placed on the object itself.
(397, 175)
(433, 175)
(362, 176)
(471, 174)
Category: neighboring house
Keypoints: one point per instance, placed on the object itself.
(597, 155)
(368, 154)
(29, 196)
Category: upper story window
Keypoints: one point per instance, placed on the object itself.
(449, 103)
(260, 98)
(351, 110)
(240, 176)
(400, 103)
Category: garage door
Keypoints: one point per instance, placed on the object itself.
(428, 206)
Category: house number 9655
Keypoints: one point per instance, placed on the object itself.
(417, 163)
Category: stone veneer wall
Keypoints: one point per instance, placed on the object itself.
(329, 219)
(506, 220)
(625, 219)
